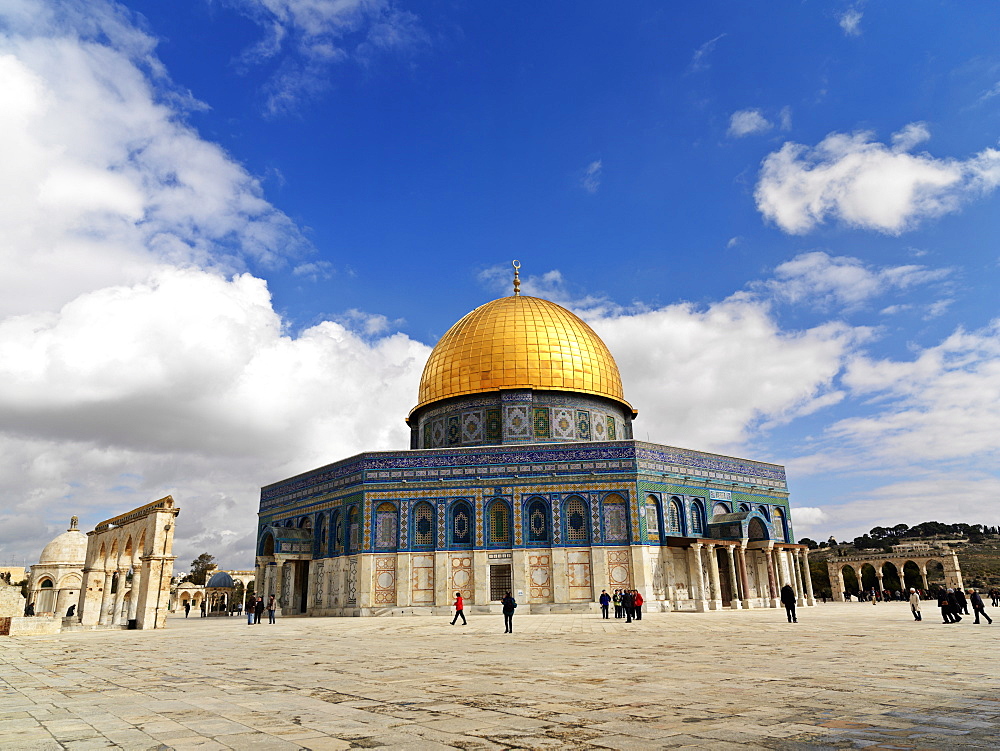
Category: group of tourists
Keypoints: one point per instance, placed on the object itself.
(255, 609)
(954, 604)
(627, 602)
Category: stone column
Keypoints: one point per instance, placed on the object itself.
(713, 572)
(807, 573)
(836, 583)
(106, 600)
(923, 576)
(878, 575)
(771, 585)
(133, 598)
(734, 583)
(741, 558)
(698, 574)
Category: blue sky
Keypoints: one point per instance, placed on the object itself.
(234, 229)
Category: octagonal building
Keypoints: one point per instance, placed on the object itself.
(523, 476)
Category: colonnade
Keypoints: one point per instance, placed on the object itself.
(791, 564)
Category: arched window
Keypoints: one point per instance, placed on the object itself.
(575, 514)
(353, 530)
(386, 526)
(337, 531)
(322, 539)
(697, 518)
(267, 544)
(615, 517)
(424, 526)
(744, 507)
(499, 530)
(538, 521)
(461, 524)
(720, 509)
(780, 524)
(653, 519)
(46, 584)
(756, 530)
(675, 515)
(764, 511)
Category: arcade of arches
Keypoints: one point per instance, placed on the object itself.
(898, 570)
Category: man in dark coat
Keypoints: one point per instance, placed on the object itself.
(788, 600)
(628, 605)
(963, 604)
(977, 606)
(951, 607)
(258, 609)
(509, 604)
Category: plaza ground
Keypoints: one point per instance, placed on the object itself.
(848, 675)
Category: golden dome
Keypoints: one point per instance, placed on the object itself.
(520, 342)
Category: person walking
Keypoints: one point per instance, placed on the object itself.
(617, 600)
(605, 600)
(637, 604)
(788, 600)
(915, 604)
(459, 609)
(628, 605)
(963, 604)
(187, 608)
(509, 604)
(977, 606)
(204, 609)
(272, 605)
(251, 602)
(995, 596)
(258, 609)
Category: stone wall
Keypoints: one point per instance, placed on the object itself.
(11, 601)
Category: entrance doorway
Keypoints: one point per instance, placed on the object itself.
(500, 581)
(301, 596)
(725, 586)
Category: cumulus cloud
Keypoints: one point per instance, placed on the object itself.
(591, 179)
(138, 357)
(306, 38)
(868, 185)
(822, 280)
(748, 122)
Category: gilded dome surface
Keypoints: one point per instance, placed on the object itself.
(69, 547)
(520, 342)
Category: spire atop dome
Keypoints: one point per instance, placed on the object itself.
(517, 279)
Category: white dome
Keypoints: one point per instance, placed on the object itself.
(69, 547)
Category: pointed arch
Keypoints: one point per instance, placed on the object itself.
(576, 521)
(424, 526)
(675, 517)
(461, 525)
(614, 518)
(697, 517)
(537, 521)
(353, 529)
(780, 524)
(498, 529)
(756, 530)
(720, 508)
(386, 526)
(337, 535)
(654, 519)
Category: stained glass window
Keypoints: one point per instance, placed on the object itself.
(615, 519)
(780, 528)
(538, 521)
(576, 521)
(338, 533)
(499, 524)
(652, 519)
(674, 517)
(423, 525)
(385, 526)
(697, 525)
(353, 531)
(461, 524)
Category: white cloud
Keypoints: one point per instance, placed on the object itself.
(699, 61)
(591, 179)
(137, 358)
(785, 118)
(850, 21)
(868, 185)
(730, 360)
(809, 521)
(748, 122)
(308, 37)
(822, 280)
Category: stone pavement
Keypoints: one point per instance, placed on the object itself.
(848, 675)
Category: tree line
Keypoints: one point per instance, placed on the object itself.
(883, 538)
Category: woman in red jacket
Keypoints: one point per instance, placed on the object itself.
(637, 602)
(459, 609)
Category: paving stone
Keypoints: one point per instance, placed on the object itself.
(713, 680)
